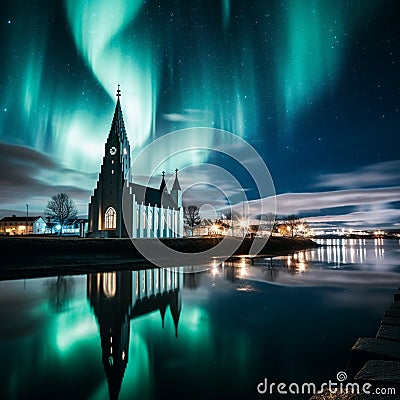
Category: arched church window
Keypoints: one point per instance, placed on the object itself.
(110, 284)
(111, 218)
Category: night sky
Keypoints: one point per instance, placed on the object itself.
(314, 86)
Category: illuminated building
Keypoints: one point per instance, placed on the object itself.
(22, 225)
(148, 212)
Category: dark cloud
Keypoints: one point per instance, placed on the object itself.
(380, 174)
(29, 176)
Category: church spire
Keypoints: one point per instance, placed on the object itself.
(118, 125)
(176, 185)
(175, 307)
(163, 185)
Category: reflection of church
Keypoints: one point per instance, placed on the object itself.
(118, 297)
(149, 212)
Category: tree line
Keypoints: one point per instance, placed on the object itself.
(289, 226)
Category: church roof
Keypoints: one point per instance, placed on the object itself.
(152, 196)
(19, 219)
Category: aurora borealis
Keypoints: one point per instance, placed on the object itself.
(313, 85)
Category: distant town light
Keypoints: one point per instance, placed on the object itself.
(214, 227)
(243, 223)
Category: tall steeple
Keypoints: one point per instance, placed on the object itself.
(176, 185)
(175, 307)
(163, 185)
(105, 210)
(176, 192)
(117, 125)
(110, 295)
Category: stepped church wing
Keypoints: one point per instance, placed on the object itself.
(148, 212)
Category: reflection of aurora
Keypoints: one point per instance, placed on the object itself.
(220, 307)
(144, 298)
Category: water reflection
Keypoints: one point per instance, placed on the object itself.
(61, 291)
(351, 251)
(119, 297)
(378, 258)
(125, 334)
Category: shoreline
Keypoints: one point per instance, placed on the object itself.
(375, 362)
(30, 257)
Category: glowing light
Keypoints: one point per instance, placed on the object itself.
(98, 28)
(75, 326)
(215, 228)
(243, 223)
(242, 269)
(312, 50)
(214, 271)
(110, 284)
(302, 266)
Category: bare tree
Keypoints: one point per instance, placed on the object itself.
(292, 222)
(192, 216)
(60, 208)
(232, 215)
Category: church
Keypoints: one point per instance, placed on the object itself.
(121, 208)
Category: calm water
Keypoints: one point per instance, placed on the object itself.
(162, 334)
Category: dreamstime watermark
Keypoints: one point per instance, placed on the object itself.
(202, 146)
(334, 387)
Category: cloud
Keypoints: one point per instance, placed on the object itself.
(367, 206)
(189, 115)
(29, 177)
(362, 218)
(293, 203)
(380, 174)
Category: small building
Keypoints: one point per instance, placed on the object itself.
(76, 227)
(209, 228)
(203, 229)
(22, 225)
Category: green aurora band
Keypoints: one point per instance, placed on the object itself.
(180, 65)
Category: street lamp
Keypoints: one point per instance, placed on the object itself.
(27, 217)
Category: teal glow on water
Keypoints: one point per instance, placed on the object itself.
(162, 334)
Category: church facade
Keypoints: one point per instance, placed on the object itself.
(121, 208)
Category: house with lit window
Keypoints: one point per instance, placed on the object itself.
(121, 208)
(22, 225)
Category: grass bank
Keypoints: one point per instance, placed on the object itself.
(24, 257)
